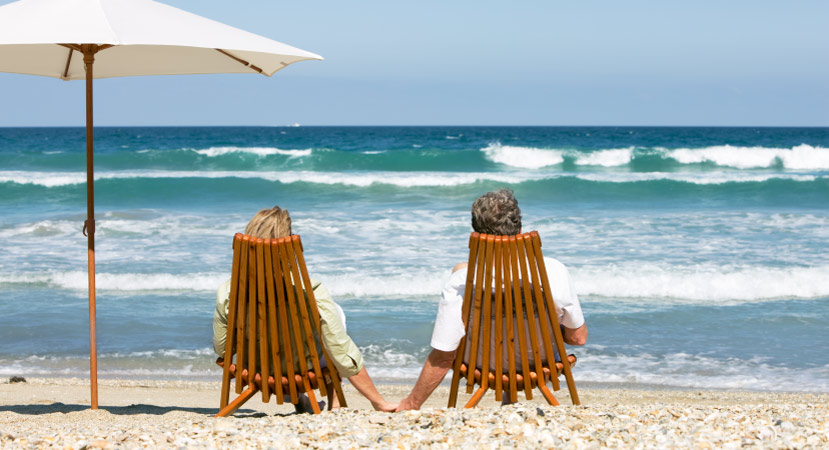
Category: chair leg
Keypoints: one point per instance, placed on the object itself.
(545, 391)
(476, 398)
(238, 401)
(313, 398)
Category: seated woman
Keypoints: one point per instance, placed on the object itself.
(275, 223)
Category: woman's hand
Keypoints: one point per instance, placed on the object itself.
(385, 406)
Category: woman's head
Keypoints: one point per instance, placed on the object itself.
(497, 213)
(273, 223)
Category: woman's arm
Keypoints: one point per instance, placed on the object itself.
(362, 382)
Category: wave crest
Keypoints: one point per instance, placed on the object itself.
(258, 151)
(801, 157)
(523, 157)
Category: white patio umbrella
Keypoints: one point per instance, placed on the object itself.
(66, 38)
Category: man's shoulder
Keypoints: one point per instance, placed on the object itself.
(458, 276)
(553, 264)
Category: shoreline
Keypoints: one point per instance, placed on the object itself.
(54, 412)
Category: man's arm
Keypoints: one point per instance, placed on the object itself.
(575, 336)
(434, 370)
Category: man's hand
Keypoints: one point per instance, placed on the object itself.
(577, 336)
(437, 365)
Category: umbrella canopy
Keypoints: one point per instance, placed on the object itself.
(146, 38)
(86, 39)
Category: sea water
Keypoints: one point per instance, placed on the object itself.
(700, 255)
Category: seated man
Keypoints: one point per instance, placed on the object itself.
(494, 213)
(275, 223)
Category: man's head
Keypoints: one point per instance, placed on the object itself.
(271, 223)
(497, 213)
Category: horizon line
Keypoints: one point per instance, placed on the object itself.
(416, 126)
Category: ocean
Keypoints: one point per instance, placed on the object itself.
(700, 255)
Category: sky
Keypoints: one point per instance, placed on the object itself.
(663, 63)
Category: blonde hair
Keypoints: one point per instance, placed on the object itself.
(271, 223)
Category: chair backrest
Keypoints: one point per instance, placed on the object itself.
(510, 317)
(273, 324)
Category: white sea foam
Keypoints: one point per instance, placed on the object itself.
(801, 157)
(127, 282)
(402, 179)
(523, 157)
(258, 151)
(166, 364)
(387, 355)
(47, 179)
(676, 370)
(359, 179)
(702, 284)
(606, 158)
(695, 371)
(409, 285)
(78, 370)
(701, 178)
(661, 284)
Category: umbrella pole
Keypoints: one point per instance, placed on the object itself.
(89, 225)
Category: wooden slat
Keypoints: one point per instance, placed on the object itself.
(251, 317)
(467, 301)
(283, 320)
(543, 323)
(529, 301)
(539, 297)
(498, 267)
(237, 402)
(305, 322)
(476, 313)
(519, 313)
(273, 328)
(292, 308)
(486, 319)
(509, 313)
(241, 314)
(262, 317)
(230, 338)
(315, 316)
(568, 374)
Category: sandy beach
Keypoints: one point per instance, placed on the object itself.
(54, 413)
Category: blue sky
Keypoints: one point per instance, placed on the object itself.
(459, 62)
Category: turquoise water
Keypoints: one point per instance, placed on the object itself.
(699, 254)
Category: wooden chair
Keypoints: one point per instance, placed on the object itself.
(273, 326)
(510, 284)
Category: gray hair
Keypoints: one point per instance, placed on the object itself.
(497, 213)
(271, 223)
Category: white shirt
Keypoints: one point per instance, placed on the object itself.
(449, 329)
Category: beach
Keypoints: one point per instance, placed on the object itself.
(54, 413)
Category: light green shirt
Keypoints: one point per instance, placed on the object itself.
(345, 355)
